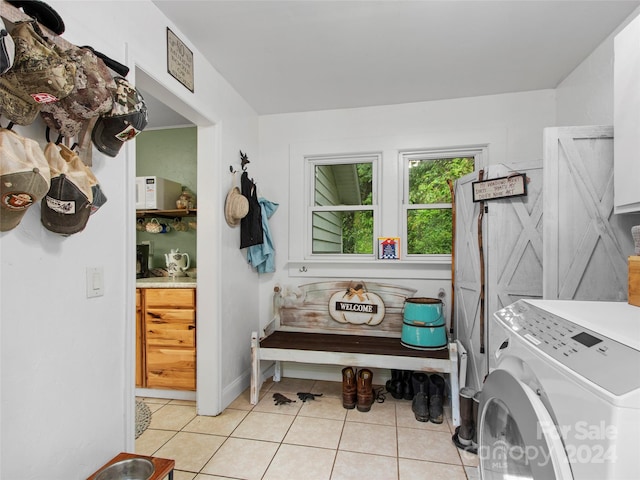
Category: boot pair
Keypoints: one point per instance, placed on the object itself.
(400, 386)
(467, 432)
(357, 389)
(428, 401)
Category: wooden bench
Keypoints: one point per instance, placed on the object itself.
(304, 332)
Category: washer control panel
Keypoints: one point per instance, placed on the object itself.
(588, 353)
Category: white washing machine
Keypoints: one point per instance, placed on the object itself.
(564, 399)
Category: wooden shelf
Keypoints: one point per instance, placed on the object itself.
(167, 213)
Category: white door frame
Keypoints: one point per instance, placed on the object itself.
(209, 389)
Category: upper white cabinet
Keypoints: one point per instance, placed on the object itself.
(626, 116)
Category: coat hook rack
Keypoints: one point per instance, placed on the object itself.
(244, 159)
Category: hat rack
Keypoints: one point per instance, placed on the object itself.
(13, 14)
(244, 159)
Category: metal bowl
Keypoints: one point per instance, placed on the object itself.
(130, 469)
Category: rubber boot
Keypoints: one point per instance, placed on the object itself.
(436, 399)
(394, 385)
(407, 385)
(364, 390)
(466, 429)
(349, 388)
(476, 405)
(420, 402)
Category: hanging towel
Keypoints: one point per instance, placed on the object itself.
(263, 256)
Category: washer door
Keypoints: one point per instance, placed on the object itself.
(517, 437)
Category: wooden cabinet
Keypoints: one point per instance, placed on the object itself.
(169, 337)
(626, 118)
(139, 340)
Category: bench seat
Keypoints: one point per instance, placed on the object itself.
(351, 350)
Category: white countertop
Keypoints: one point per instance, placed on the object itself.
(166, 282)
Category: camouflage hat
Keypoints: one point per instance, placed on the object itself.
(127, 118)
(7, 49)
(24, 177)
(41, 73)
(91, 95)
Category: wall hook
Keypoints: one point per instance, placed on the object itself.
(243, 161)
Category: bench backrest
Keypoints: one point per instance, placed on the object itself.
(345, 307)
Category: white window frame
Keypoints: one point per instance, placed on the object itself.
(478, 153)
(310, 165)
(491, 141)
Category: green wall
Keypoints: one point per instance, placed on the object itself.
(171, 154)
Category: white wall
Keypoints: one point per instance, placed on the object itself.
(67, 361)
(520, 117)
(585, 97)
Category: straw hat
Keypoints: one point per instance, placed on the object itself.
(236, 207)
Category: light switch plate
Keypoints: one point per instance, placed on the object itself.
(95, 282)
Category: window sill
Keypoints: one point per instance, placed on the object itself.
(437, 269)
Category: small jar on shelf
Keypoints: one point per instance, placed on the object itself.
(185, 200)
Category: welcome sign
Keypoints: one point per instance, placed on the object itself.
(356, 306)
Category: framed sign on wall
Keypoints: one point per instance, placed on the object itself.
(179, 60)
(511, 186)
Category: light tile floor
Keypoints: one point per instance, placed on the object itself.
(313, 440)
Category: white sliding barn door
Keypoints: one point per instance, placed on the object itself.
(585, 245)
(514, 240)
(512, 244)
(467, 279)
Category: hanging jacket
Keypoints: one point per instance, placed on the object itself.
(251, 225)
(263, 256)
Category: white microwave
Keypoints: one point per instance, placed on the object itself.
(155, 193)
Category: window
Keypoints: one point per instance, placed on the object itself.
(427, 204)
(348, 192)
(343, 207)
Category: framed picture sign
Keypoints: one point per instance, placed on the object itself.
(503, 187)
(179, 60)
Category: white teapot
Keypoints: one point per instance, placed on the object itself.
(177, 262)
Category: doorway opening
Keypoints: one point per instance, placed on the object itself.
(169, 116)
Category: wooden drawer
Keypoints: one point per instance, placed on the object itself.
(169, 327)
(173, 368)
(170, 297)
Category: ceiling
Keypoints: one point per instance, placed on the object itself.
(305, 55)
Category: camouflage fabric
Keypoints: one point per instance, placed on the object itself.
(90, 97)
(41, 73)
(127, 118)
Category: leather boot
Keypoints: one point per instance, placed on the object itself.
(394, 385)
(365, 390)
(348, 388)
(420, 402)
(476, 404)
(466, 429)
(436, 398)
(407, 385)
